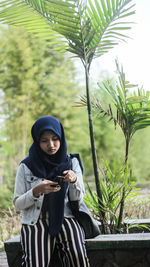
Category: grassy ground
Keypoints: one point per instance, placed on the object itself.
(138, 207)
(9, 225)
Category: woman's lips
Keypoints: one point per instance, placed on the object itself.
(51, 150)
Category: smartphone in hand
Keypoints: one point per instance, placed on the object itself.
(59, 179)
(55, 185)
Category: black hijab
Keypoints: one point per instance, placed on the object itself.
(47, 166)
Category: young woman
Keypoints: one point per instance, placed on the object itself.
(43, 181)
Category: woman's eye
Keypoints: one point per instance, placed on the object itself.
(55, 138)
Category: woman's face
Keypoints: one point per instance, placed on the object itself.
(49, 142)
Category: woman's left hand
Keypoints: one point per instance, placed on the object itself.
(70, 176)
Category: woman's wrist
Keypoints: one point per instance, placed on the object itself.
(36, 192)
(73, 182)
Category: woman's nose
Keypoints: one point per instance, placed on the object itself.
(51, 143)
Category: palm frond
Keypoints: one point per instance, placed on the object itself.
(132, 108)
(36, 18)
(88, 29)
(113, 183)
(106, 16)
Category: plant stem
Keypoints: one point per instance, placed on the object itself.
(123, 193)
(127, 150)
(94, 157)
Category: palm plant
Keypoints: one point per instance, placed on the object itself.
(86, 28)
(114, 182)
(132, 113)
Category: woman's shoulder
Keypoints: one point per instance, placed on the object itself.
(74, 158)
(23, 168)
(76, 161)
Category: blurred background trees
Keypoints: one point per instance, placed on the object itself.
(34, 81)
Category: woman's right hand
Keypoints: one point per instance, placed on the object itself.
(45, 187)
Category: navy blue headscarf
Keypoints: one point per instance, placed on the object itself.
(48, 166)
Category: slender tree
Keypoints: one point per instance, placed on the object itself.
(88, 29)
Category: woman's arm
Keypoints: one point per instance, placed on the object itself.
(29, 188)
(23, 194)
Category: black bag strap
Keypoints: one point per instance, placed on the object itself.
(85, 219)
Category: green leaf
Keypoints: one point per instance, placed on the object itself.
(109, 8)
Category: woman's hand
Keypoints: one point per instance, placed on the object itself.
(70, 176)
(45, 187)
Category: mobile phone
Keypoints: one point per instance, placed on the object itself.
(55, 185)
(59, 179)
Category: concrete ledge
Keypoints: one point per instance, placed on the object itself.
(99, 242)
(13, 243)
(137, 221)
(13, 251)
(140, 240)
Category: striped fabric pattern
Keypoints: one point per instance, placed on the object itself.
(38, 246)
